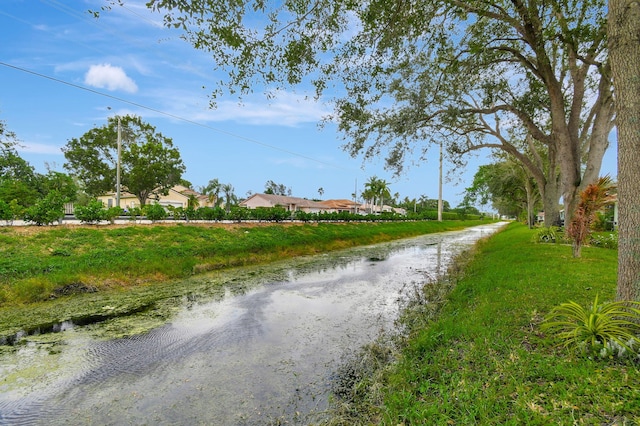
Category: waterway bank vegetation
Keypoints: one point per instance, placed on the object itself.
(474, 349)
(49, 275)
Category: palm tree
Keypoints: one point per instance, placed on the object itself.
(383, 192)
(192, 202)
(229, 196)
(212, 190)
(371, 191)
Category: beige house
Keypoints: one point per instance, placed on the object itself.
(338, 206)
(291, 204)
(178, 196)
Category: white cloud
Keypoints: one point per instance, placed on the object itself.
(285, 109)
(109, 77)
(38, 148)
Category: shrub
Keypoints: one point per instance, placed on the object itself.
(155, 212)
(238, 213)
(47, 210)
(547, 235)
(112, 213)
(303, 216)
(210, 213)
(609, 241)
(134, 213)
(190, 213)
(597, 330)
(176, 213)
(93, 212)
(5, 211)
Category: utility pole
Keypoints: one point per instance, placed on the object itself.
(118, 164)
(440, 188)
(355, 197)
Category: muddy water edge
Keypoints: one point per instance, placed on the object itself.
(252, 346)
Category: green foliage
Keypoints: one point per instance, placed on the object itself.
(112, 213)
(64, 257)
(547, 235)
(93, 212)
(603, 221)
(597, 330)
(270, 187)
(176, 213)
(24, 194)
(211, 213)
(134, 213)
(47, 210)
(238, 213)
(150, 163)
(60, 182)
(154, 212)
(190, 213)
(605, 240)
(482, 358)
(5, 211)
(504, 184)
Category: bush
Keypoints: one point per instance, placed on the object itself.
(112, 213)
(190, 213)
(5, 211)
(609, 241)
(546, 235)
(93, 212)
(155, 212)
(238, 213)
(47, 210)
(211, 213)
(600, 330)
(134, 213)
(176, 213)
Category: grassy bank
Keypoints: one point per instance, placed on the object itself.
(50, 274)
(483, 359)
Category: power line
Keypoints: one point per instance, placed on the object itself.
(167, 114)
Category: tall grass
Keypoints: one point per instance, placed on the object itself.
(40, 264)
(484, 359)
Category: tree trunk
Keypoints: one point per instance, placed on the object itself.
(624, 47)
(577, 249)
(550, 204)
(529, 190)
(569, 175)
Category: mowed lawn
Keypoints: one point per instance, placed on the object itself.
(483, 358)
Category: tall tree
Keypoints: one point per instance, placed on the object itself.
(372, 191)
(8, 139)
(229, 195)
(270, 187)
(212, 191)
(624, 45)
(150, 164)
(472, 74)
(508, 186)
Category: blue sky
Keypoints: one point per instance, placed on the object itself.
(129, 64)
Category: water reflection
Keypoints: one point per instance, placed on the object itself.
(266, 356)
